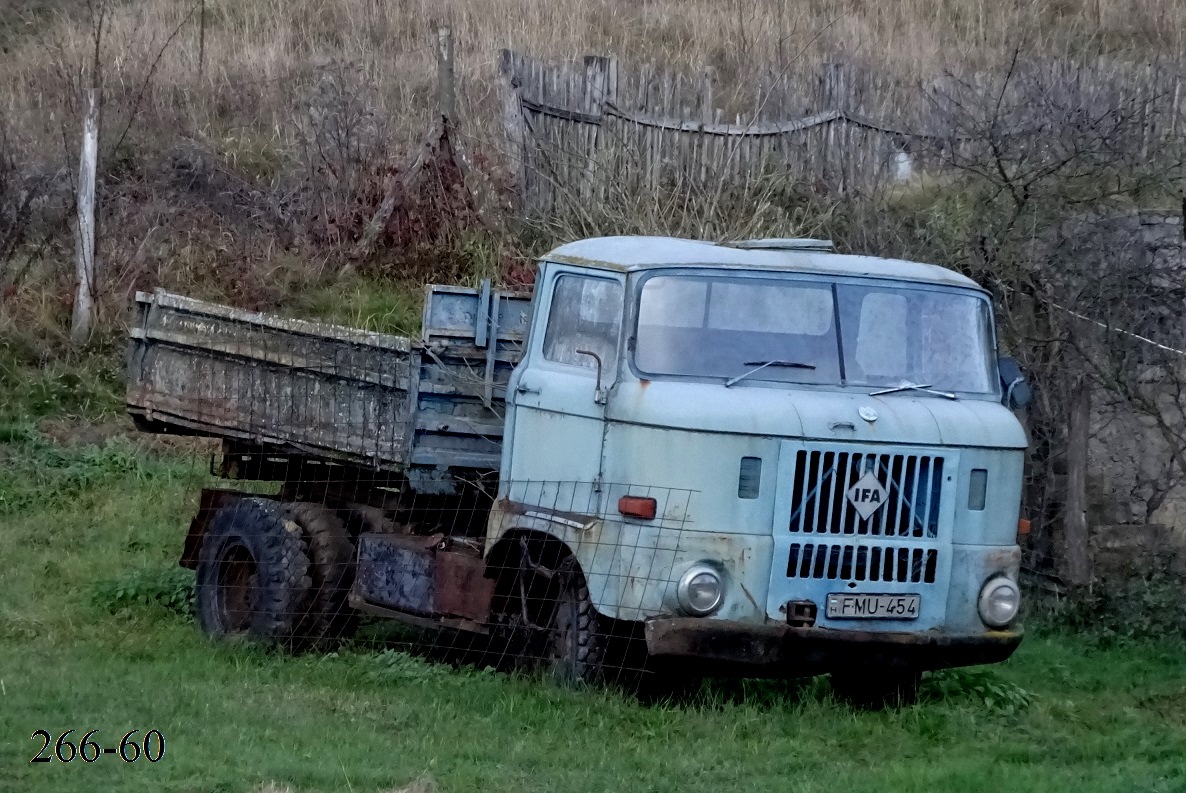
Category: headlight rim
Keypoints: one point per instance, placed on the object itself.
(685, 580)
(991, 585)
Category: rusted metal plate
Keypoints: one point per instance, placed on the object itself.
(773, 649)
(396, 571)
(417, 575)
(462, 590)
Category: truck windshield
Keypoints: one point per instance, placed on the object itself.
(877, 335)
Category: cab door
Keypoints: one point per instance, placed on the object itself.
(556, 397)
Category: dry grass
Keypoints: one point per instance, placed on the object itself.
(260, 57)
(298, 108)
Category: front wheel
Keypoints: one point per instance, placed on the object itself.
(576, 643)
(253, 574)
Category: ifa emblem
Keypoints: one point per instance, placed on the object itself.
(867, 495)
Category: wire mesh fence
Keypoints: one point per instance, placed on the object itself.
(357, 483)
(528, 575)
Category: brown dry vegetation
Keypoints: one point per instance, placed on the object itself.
(242, 161)
(261, 57)
(245, 144)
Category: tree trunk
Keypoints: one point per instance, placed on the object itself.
(1078, 554)
(446, 88)
(84, 298)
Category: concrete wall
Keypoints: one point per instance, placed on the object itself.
(1137, 494)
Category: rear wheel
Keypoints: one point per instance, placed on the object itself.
(328, 617)
(870, 690)
(252, 575)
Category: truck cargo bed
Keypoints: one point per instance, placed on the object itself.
(325, 391)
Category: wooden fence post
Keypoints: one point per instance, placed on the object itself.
(835, 94)
(514, 126)
(84, 298)
(596, 88)
(1075, 530)
(446, 87)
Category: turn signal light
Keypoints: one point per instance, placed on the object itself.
(637, 507)
(1023, 526)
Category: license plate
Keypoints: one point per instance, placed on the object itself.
(845, 606)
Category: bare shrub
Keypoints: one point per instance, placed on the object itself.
(1121, 325)
(757, 205)
(346, 152)
(14, 200)
(1041, 208)
(33, 207)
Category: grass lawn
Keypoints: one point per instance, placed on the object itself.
(90, 638)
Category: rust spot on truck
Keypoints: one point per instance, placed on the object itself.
(425, 575)
(1006, 558)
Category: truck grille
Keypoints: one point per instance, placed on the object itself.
(913, 485)
(885, 563)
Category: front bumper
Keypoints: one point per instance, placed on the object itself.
(740, 648)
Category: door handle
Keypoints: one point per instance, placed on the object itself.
(525, 389)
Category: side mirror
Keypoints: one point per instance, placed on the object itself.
(1016, 392)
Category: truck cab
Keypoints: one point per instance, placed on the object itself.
(765, 456)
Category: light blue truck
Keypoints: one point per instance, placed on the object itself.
(759, 457)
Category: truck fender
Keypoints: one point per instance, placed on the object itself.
(212, 500)
(553, 535)
(518, 549)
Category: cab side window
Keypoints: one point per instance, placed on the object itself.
(586, 314)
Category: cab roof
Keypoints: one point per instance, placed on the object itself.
(630, 254)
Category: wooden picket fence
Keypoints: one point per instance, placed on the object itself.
(580, 129)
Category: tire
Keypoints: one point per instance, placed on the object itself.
(873, 690)
(512, 645)
(328, 618)
(575, 643)
(253, 574)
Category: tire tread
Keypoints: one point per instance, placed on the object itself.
(282, 569)
(328, 617)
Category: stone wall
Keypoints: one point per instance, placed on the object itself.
(1136, 492)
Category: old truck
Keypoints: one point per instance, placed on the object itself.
(759, 457)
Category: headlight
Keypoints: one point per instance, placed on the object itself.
(700, 591)
(1000, 600)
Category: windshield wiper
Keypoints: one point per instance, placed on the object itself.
(924, 387)
(763, 364)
